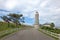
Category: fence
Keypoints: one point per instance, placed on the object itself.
(51, 33)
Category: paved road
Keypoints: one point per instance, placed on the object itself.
(29, 34)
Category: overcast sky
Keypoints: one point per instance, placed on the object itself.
(49, 10)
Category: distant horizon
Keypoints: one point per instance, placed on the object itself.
(33, 24)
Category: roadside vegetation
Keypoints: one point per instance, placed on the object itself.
(51, 28)
(55, 30)
(11, 23)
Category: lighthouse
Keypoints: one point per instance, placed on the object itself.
(36, 24)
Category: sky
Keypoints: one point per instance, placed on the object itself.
(49, 10)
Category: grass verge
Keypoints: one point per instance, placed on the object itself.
(7, 32)
(49, 35)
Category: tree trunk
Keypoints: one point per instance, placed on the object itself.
(8, 24)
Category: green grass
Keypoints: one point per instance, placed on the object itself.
(51, 29)
(57, 31)
(4, 26)
(49, 35)
(6, 30)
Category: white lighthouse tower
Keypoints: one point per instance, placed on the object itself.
(36, 24)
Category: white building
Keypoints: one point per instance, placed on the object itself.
(47, 24)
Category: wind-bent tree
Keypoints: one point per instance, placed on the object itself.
(6, 19)
(16, 18)
(22, 20)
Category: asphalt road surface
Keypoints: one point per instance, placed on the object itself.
(28, 34)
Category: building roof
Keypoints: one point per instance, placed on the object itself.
(46, 24)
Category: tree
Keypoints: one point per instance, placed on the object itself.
(16, 18)
(52, 25)
(6, 19)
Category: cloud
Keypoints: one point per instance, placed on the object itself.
(10, 4)
(49, 10)
(44, 3)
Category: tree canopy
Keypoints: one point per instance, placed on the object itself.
(16, 18)
(52, 25)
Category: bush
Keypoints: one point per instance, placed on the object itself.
(51, 29)
(4, 26)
